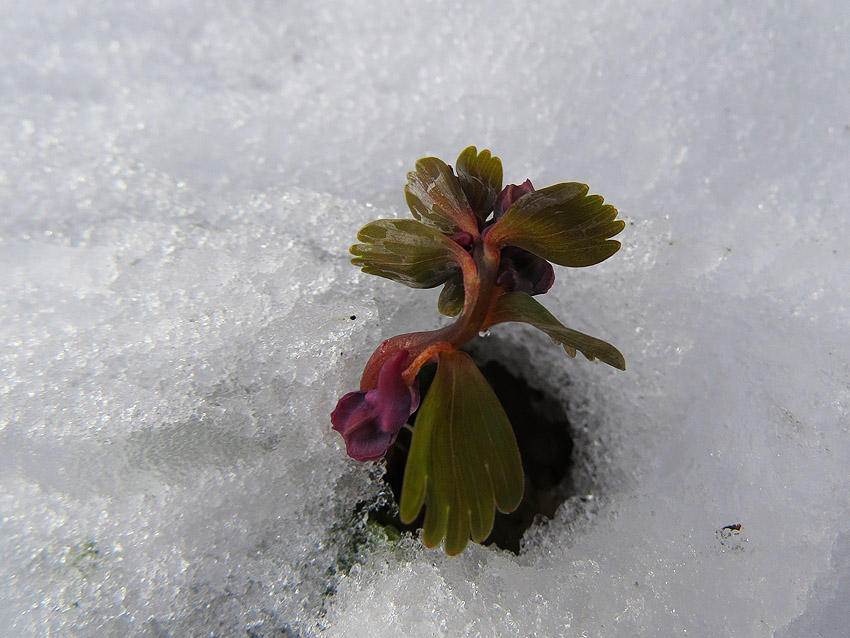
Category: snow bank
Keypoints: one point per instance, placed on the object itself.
(179, 184)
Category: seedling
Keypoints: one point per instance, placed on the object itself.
(490, 248)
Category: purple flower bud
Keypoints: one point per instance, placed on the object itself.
(522, 271)
(508, 196)
(369, 421)
(463, 239)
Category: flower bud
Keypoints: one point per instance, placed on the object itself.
(369, 421)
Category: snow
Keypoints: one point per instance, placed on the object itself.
(180, 182)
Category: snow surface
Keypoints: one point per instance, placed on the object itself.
(179, 183)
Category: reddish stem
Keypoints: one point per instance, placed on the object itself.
(479, 281)
(429, 353)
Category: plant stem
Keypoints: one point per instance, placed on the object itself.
(480, 287)
(481, 292)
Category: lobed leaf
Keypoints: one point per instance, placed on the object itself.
(562, 224)
(435, 198)
(464, 461)
(406, 251)
(519, 306)
(480, 177)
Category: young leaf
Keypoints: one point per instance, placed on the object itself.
(562, 224)
(452, 296)
(407, 252)
(518, 306)
(480, 177)
(463, 461)
(436, 198)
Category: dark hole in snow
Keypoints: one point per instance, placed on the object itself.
(543, 434)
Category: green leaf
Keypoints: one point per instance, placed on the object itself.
(407, 252)
(519, 306)
(436, 198)
(480, 177)
(561, 223)
(452, 297)
(464, 461)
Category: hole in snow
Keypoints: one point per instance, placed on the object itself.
(542, 430)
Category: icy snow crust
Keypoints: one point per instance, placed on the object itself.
(179, 183)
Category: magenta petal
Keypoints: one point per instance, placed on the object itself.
(344, 417)
(393, 398)
(369, 421)
(370, 446)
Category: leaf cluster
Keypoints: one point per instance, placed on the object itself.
(464, 462)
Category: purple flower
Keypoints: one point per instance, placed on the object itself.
(369, 421)
(520, 270)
